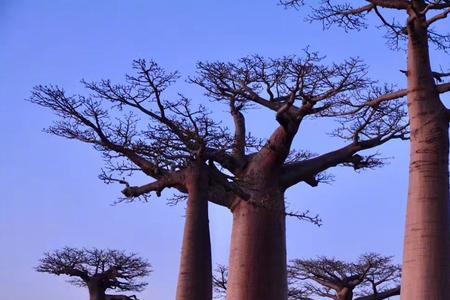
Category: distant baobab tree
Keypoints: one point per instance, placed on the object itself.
(98, 270)
(182, 147)
(372, 277)
(426, 243)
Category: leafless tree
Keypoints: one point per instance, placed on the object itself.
(172, 147)
(372, 277)
(295, 89)
(98, 270)
(427, 224)
(184, 149)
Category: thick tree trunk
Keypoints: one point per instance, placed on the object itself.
(96, 293)
(194, 281)
(258, 241)
(426, 273)
(258, 253)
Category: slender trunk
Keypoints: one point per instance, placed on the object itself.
(194, 281)
(96, 292)
(426, 273)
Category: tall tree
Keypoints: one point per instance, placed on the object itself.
(245, 175)
(98, 270)
(295, 89)
(170, 148)
(372, 277)
(427, 242)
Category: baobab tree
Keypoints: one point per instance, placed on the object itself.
(98, 270)
(372, 277)
(295, 89)
(171, 148)
(426, 243)
(239, 172)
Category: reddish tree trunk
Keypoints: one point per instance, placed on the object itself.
(258, 242)
(96, 292)
(258, 253)
(426, 273)
(258, 268)
(194, 281)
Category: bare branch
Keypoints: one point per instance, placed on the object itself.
(306, 216)
(167, 181)
(438, 17)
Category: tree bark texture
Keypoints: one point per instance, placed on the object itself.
(426, 262)
(194, 281)
(258, 242)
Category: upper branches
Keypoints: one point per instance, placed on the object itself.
(174, 133)
(304, 84)
(112, 268)
(110, 118)
(296, 87)
(349, 17)
(362, 126)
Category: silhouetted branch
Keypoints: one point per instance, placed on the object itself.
(173, 135)
(306, 216)
(345, 15)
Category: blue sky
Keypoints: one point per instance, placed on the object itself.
(51, 196)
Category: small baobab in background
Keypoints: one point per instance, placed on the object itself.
(372, 277)
(98, 270)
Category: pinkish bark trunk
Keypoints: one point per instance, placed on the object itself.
(258, 253)
(194, 281)
(258, 242)
(426, 267)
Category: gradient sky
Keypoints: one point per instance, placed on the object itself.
(51, 196)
